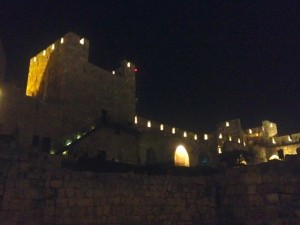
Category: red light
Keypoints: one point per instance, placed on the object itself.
(135, 70)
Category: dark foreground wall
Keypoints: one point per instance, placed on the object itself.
(34, 189)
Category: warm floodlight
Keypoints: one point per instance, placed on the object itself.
(181, 156)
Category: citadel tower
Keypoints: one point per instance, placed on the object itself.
(72, 106)
(61, 75)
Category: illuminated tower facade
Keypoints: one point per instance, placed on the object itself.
(80, 92)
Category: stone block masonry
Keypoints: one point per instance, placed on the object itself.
(35, 189)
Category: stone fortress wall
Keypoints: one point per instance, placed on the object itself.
(65, 93)
(35, 189)
(66, 96)
(69, 79)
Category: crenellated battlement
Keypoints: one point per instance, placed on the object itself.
(143, 124)
(71, 92)
(283, 140)
(39, 62)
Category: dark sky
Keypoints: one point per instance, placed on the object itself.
(200, 62)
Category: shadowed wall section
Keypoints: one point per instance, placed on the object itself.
(36, 190)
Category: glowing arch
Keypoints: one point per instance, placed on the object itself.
(274, 157)
(181, 157)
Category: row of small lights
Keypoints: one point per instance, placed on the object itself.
(274, 141)
(230, 139)
(53, 46)
(68, 142)
(161, 127)
(185, 133)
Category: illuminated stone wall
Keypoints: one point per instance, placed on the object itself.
(269, 128)
(61, 74)
(89, 91)
(229, 136)
(158, 142)
(158, 147)
(34, 189)
(2, 62)
(47, 68)
(287, 149)
(64, 93)
(129, 145)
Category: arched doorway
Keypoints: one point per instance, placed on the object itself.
(181, 157)
(274, 157)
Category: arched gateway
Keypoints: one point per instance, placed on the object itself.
(181, 157)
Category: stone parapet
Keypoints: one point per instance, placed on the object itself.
(35, 189)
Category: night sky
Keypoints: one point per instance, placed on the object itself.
(200, 62)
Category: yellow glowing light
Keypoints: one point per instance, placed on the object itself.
(271, 124)
(289, 138)
(128, 64)
(230, 138)
(205, 137)
(113, 72)
(239, 140)
(243, 162)
(135, 120)
(53, 46)
(184, 134)
(81, 41)
(250, 131)
(35, 76)
(78, 136)
(65, 153)
(227, 124)
(195, 137)
(274, 157)
(181, 156)
(52, 152)
(62, 40)
(149, 123)
(68, 142)
(173, 130)
(219, 149)
(244, 143)
(161, 127)
(220, 136)
(273, 141)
